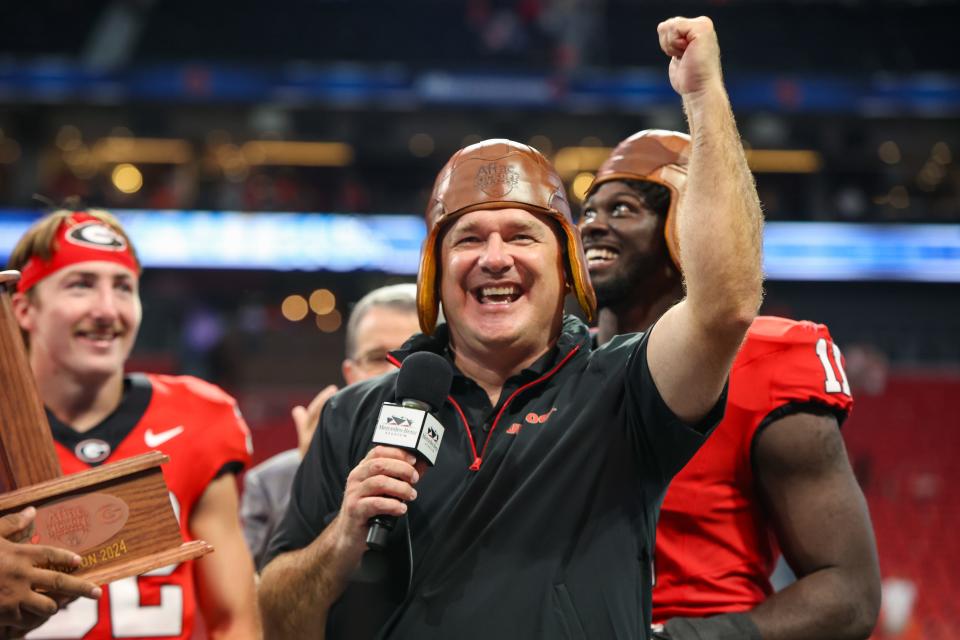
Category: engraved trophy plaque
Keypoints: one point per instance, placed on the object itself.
(118, 517)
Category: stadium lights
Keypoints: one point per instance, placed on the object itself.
(302, 154)
(571, 161)
(784, 160)
(122, 149)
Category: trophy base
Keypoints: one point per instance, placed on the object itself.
(118, 518)
(138, 566)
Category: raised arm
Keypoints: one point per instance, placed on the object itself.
(719, 227)
(306, 419)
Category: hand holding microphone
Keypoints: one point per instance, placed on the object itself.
(422, 387)
(382, 483)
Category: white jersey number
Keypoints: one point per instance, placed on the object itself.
(832, 384)
(128, 618)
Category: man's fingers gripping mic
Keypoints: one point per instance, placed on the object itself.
(422, 387)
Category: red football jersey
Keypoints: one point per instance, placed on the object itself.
(715, 549)
(199, 426)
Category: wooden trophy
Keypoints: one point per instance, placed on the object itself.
(117, 517)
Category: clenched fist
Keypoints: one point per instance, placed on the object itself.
(694, 54)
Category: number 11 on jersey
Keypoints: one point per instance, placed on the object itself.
(832, 384)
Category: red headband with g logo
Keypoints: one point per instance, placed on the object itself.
(80, 238)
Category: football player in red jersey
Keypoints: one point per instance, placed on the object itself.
(78, 305)
(774, 476)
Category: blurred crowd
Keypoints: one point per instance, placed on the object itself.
(867, 176)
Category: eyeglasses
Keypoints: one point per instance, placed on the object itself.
(372, 358)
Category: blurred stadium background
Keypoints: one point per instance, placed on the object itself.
(272, 159)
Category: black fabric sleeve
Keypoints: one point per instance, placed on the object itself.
(671, 441)
(729, 626)
(234, 467)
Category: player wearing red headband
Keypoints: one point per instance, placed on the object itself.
(78, 305)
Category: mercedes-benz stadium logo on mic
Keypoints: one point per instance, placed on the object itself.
(399, 421)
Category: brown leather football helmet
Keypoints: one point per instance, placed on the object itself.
(654, 155)
(497, 174)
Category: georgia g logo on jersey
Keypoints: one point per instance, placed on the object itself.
(92, 450)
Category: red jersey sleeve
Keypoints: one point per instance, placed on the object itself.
(788, 366)
(214, 422)
(228, 436)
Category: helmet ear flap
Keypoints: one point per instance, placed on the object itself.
(567, 270)
(563, 242)
(674, 179)
(428, 282)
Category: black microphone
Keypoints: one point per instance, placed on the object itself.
(422, 387)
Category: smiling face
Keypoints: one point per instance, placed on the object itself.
(502, 282)
(82, 320)
(623, 241)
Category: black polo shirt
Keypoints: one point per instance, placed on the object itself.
(550, 535)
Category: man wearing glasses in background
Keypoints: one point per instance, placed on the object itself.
(381, 321)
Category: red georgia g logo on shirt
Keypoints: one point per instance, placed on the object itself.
(531, 418)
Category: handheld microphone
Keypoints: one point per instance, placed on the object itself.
(422, 387)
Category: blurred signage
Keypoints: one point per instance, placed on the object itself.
(391, 244)
(848, 251)
(270, 241)
(927, 94)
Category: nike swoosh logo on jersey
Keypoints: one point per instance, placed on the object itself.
(156, 439)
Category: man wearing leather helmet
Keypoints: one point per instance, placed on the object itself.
(775, 474)
(537, 520)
